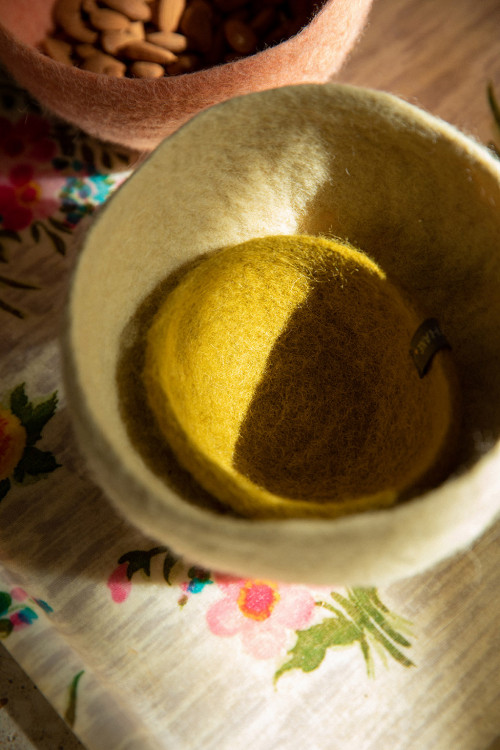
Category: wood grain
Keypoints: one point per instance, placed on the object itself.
(437, 54)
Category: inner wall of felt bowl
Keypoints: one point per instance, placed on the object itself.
(28, 21)
(412, 192)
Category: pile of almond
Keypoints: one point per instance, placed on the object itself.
(153, 38)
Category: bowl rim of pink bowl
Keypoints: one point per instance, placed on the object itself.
(139, 114)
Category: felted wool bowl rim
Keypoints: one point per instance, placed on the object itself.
(139, 114)
(370, 548)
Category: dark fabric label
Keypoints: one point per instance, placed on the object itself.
(427, 341)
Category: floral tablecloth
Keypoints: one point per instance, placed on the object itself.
(139, 649)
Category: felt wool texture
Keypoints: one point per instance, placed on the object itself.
(139, 113)
(280, 372)
(419, 197)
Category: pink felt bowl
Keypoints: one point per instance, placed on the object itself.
(139, 113)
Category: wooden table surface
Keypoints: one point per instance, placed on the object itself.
(437, 54)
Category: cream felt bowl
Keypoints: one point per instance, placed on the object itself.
(414, 194)
(139, 113)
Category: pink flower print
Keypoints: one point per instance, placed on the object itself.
(22, 199)
(29, 137)
(18, 594)
(23, 618)
(119, 583)
(260, 612)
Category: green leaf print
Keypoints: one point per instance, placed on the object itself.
(355, 606)
(13, 284)
(35, 232)
(19, 404)
(312, 644)
(10, 234)
(5, 602)
(59, 225)
(6, 627)
(33, 417)
(168, 564)
(140, 560)
(39, 417)
(362, 619)
(70, 713)
(35, 462)
(366, 599)
(11, 310)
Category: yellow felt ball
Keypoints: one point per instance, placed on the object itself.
(280, 373)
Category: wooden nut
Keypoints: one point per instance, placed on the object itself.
(136, 10)
(113, 41)
(104, 19)
(152, 38)
(85, 50)
(168, 39)
(183, 64)
(106, 64)
(58, 50)
(263, 22)
(196, 24)
(216, 53)
(147, 52)
(277, 35)
(240, 36)
(67, 15)
(143, 69)
(228, 6)
(169, 13)
(241, 14)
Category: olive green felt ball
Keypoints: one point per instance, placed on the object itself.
(279, 371)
